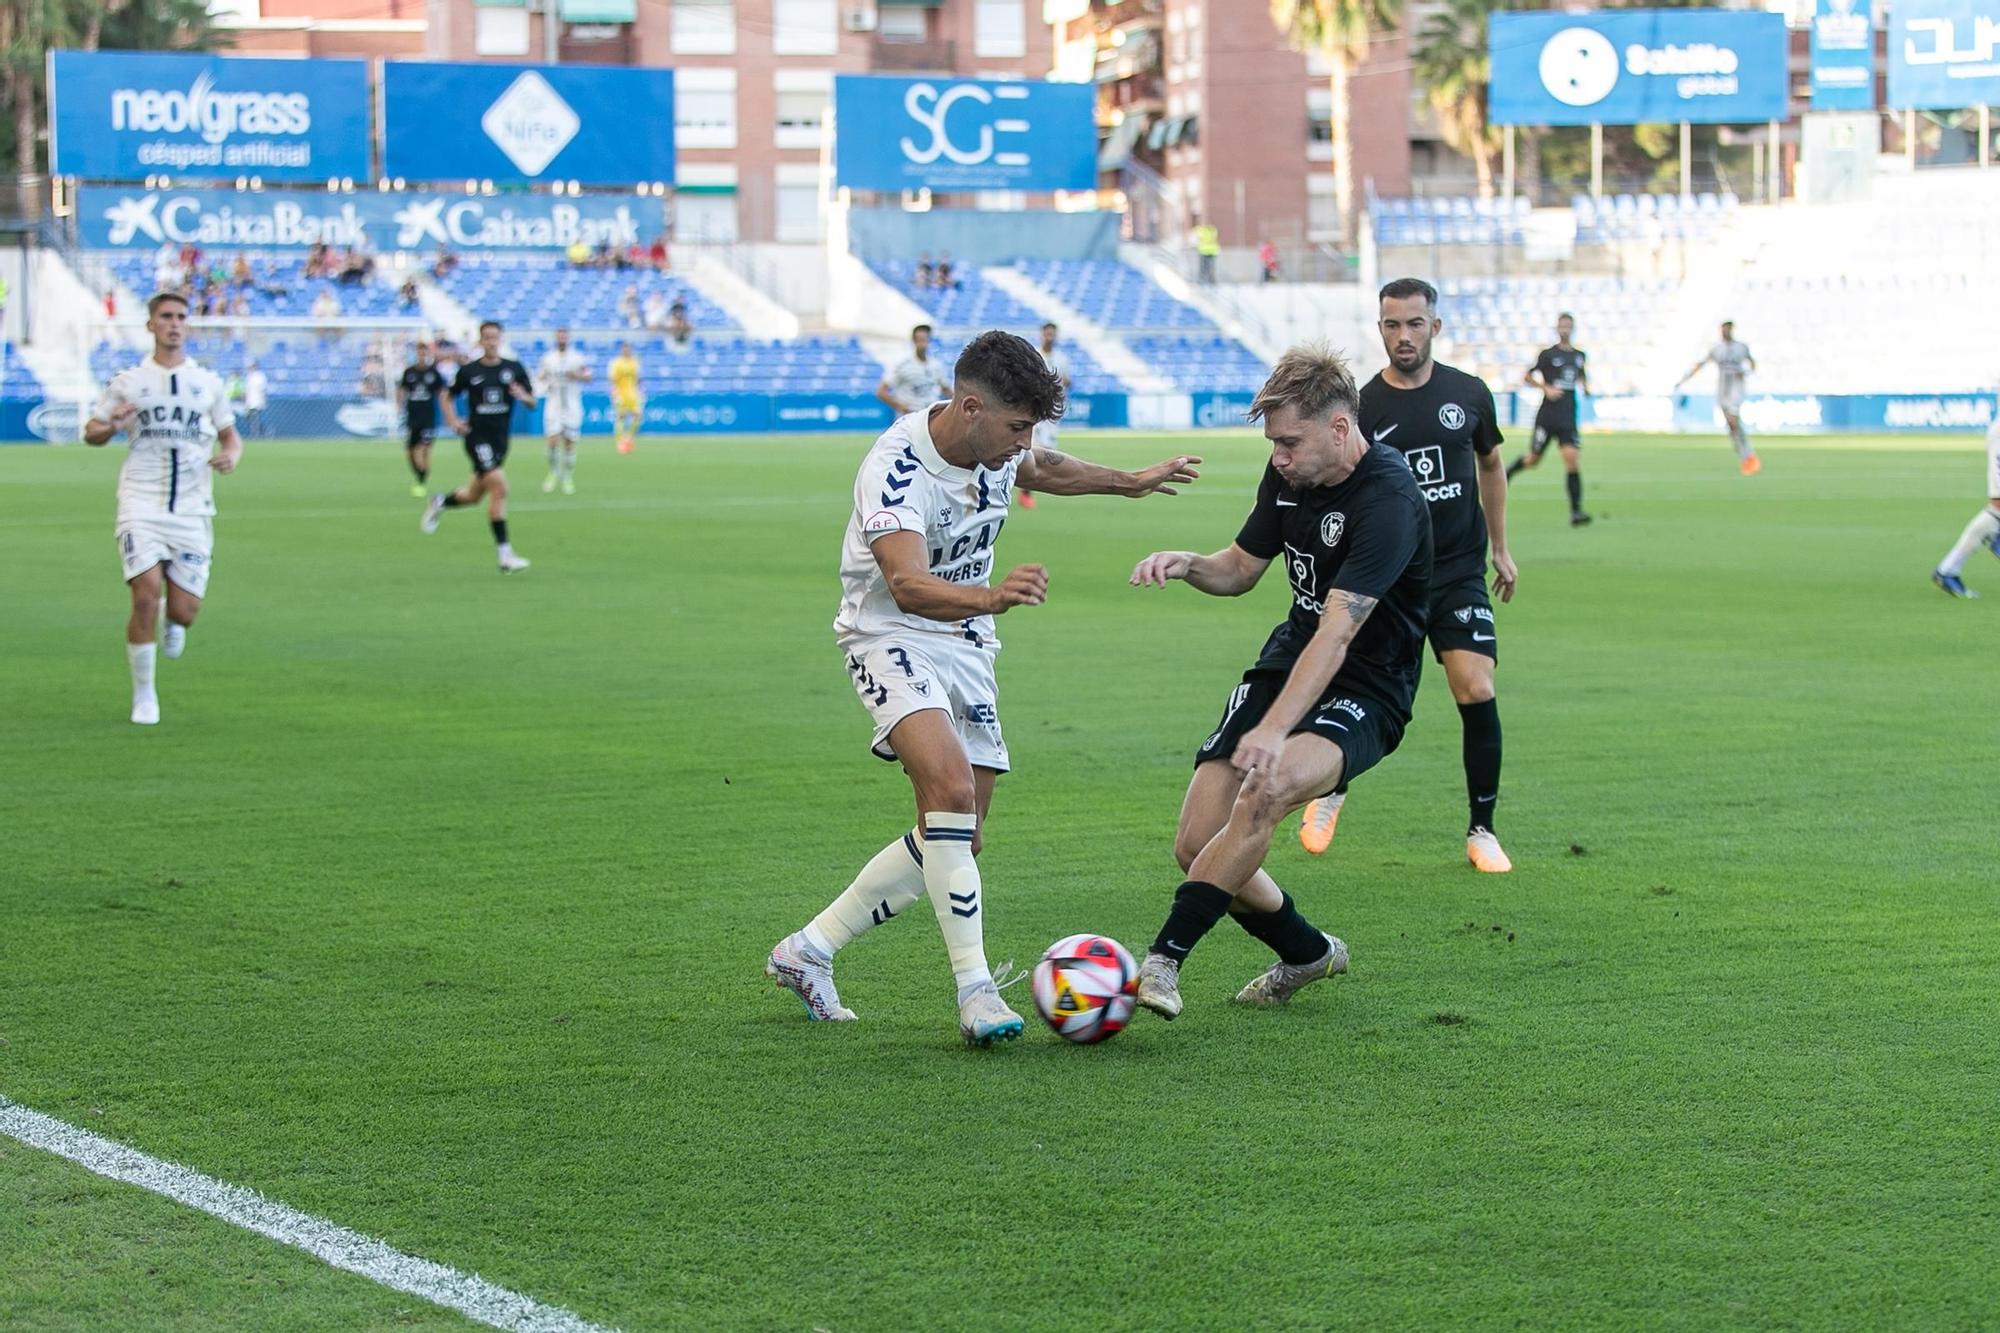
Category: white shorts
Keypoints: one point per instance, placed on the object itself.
(183, 544)
(1993, 461)
(1045, 435)
(560, 418)
(1729, 397)
(900, 674)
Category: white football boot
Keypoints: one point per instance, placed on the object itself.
(1283, 980)
(510, 562)
(146, 709)
(432, 513)
(795, 970)
(1160, 985)
(984, 1018)
(174, 642)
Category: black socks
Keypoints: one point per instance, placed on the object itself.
(1293, 938)
(1516, 466)
(499, 531)
(1197, 908)
(1482, 760)
(451, 500)
(1574, 480)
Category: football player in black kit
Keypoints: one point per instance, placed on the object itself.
(417, 394)
(1329, 695)
(492, 384)
(1560, 374)
(1444, 422)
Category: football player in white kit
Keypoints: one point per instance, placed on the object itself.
(1045, 432)
(915, 630)
(918, 380)
(1733, 364)
(561, 374)
(1983, 530)
(177, 419)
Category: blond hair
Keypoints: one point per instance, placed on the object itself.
(1311, 379)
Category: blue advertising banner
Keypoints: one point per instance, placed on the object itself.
(125, 115)
(597, 124)
(109, 218)
(1634, 66)
(1843, 56)
(1944, 54)
(894, 133)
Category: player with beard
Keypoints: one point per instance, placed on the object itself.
(1444, 422)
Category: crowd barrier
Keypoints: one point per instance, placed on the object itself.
(31, 420)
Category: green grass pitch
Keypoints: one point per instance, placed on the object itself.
(436, 906)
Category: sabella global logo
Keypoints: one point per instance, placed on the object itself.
(1579, 67)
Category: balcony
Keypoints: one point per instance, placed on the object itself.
(914, 57)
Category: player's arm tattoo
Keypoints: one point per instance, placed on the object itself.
(1357, 605)
(1050, 458)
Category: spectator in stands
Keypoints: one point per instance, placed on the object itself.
(926, 275)
(357, 266)
(656, 309)
(578, 254)
(167, 271)
(407, 294)
(1267, 260)
(374, 375)
(190, 257)
(444, 264)
(947, 276)
(604, 256)
(678, 326)
(317, 258)
(239, 272)
(628, 306)
(326, 306)
(239, 304)
(1207, 246)
(635, 256)
(110, 303)
(256, 396)
(658, 254)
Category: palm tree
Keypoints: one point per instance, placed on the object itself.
(1452, 63)
(1340, 30)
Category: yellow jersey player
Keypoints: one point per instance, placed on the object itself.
(626, 409)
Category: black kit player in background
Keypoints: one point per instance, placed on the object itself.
(1560, 374)
(1330, 693)
(491, 385)
(1444, 422)
(417, 394)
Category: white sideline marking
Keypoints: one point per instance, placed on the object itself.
(470, 1295)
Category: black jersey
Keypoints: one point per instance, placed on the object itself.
(1367, 534)
(1439, 428)
(1560, 367)
(421, 387)
(488, 394)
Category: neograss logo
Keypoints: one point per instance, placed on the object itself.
(215, 116)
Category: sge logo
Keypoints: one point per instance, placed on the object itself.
(930, 108)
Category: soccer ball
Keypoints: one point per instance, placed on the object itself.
(1084, 987)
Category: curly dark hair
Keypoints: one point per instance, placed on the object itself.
(1007, 369)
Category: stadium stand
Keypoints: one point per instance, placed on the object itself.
(1085, 374)
(297, 367)
(542, 293)
(972, 304)
(1201, 362)
(1460, 220)
(1627, 217)
(279, 289)
(1494, 326)
(1114, 295)
(16, 379)
(1449, 221)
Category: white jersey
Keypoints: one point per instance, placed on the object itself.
(1732, 363)
(919, 383)
(904, 485)
(1056, 361)
(557, 374)
(182, 410)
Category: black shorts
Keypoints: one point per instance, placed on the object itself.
(1462, 618)
(487, 452)
(1366, 729)
(419, 435)
(1561, 429)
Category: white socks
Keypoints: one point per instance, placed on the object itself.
(952, 878)
(1977, 533)
(569, 462)
(886, 885)
(141, 657)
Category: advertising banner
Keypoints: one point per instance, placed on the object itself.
(126, 115)
(1634, 66)
(895, 133)
(1843, 56)
(596, 124)
(109, 218)
(1944, 54)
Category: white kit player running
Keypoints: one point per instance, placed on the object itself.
(176, 417)
(1733, 364)
(918, 380)
(562, 373)
(916, 633)
(1983, 530)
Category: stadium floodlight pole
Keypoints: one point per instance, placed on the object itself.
(1596, 159)
(1507, 163)
(1687, 159)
